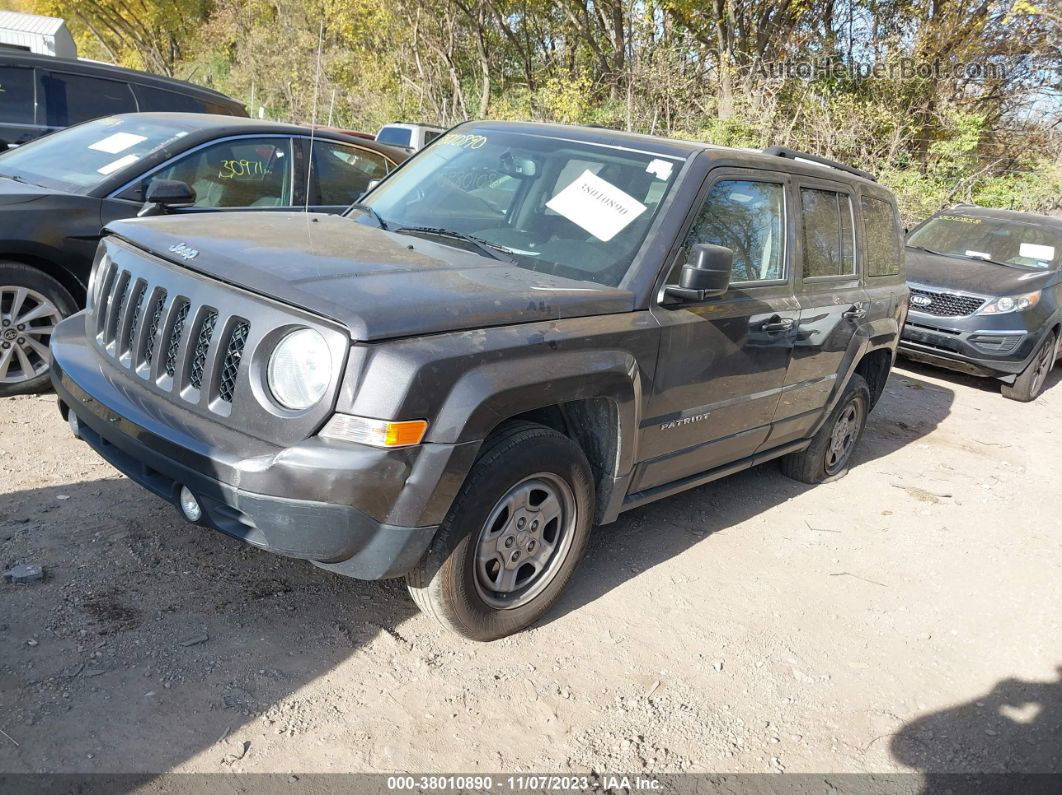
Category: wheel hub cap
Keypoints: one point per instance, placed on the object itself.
(843, 436)
(524, 541)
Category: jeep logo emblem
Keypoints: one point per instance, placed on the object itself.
(184, 250)
(921, 300)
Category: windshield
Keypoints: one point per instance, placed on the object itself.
(552, 205)
(80, 158)
(1010, 242)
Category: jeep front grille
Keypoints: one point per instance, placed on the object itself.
(945, 304)
(173, 346)
(153, 329)
(202, 345)
(163, 336)
(233, 355)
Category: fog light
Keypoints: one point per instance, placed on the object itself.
(71, 420)
(190, 506)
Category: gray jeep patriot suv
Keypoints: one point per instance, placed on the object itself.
(522, 332)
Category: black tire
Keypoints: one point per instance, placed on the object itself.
(1028, 386)
(448, 583)
(820, 463)
(15, 378)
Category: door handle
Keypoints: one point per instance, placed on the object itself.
(777, 324)
(856, 312)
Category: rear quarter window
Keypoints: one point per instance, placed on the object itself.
(881, 227)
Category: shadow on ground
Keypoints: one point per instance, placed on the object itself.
(160, 638)
(1014, 728)
(910, 367)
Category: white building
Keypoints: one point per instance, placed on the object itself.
(32, 33)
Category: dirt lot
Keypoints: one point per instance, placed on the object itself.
(906, 617)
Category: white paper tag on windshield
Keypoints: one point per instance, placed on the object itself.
(1035, 251)
(978, 254)
(113, 166)
(119, 142)
(597, 206)
(661, 169)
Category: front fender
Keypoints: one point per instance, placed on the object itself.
(483, 398)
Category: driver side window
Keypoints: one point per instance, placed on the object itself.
(747, 217)
(248, 172)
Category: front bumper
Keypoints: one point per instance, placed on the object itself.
(332, 503)
(999, 347)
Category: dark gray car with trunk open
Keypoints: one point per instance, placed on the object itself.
(524, 331)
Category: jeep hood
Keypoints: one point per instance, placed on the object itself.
(942, 272)
(380, 285)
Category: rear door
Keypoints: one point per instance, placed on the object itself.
(723, 361)
(833, 303)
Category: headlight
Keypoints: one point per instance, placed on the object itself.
(1010, 303)
(300, 369)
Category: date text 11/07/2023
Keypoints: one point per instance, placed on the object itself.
(519, 783)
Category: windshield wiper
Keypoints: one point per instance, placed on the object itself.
(488, 248)
(967, 256)
(928, 250)
(375, 215)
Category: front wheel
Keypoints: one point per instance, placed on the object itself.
(512, 538)
(827, 457)
(1028, 386)
(31, 304)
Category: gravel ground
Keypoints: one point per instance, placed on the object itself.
(904, 618)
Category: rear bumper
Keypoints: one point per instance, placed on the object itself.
(329, 503)
(953, 343)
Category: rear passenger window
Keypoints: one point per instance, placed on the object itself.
(827, 224)
(748, 218)
(16, 95)
(882, 237)
(72, 99)
(343, 173)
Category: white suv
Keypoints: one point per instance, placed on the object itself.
(411, 136)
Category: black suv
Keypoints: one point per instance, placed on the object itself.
(525, 331)
(40, 94)
(986, 295)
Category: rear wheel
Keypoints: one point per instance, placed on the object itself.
(1030, 383)
(828, 456)
(512, 538)
(31, 304)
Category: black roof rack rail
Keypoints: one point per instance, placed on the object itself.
(793, 154)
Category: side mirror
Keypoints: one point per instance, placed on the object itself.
(163, 194)
(706, 273)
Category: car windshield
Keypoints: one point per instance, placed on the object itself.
(1017, 243)
(549, 204)
(80, 158)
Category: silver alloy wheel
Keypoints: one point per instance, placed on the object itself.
(843, 436)
(524, 541)
(27, 320)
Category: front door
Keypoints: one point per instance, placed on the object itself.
(832, 301)
(723, 361)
